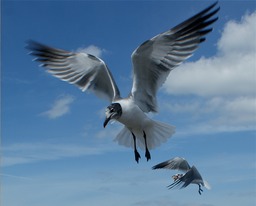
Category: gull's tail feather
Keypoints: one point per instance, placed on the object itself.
(207, 185)
(156, 134)
(124, 137)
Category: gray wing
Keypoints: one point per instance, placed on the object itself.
(192, 176)
(176, 163)
(196, 176)
(155, 58)
(83, 70)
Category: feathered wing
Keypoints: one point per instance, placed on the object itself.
(83, 70)
(197, 178)
(192, 176)
(176, 163)
(155, 58)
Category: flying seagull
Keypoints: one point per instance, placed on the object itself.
(152, 62)
(191, 176)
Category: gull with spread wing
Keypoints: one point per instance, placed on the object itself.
(152, 62)
(191, 176)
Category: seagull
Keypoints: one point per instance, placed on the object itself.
(152, 62)
(191, 176)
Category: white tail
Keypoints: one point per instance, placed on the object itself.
(156, 133)
(207, 185)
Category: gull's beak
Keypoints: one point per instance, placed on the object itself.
(113, 111)
(108, 118)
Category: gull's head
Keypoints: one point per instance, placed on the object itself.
(177, 176)
(113, 111)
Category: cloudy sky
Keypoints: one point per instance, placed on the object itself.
(55, 150)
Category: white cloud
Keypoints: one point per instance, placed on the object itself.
(93, 50)
(60, 107)
(240, 111)
(216, 114)
(239, 36)
(231, 72)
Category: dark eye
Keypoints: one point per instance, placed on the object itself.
(111, 110)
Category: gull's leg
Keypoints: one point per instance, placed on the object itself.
(200, 189)
(147, 154)
(136, 153)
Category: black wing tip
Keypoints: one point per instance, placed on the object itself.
(209, 13)
(33, 45)
(35, 48)
(215, 3)
(160, 165)
(212, 6)
(208, 10)
(202, 40)
(154, 167)
(202, 16)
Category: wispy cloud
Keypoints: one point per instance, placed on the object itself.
(24, 153)
(14, 176)
(216, 114)
(60, 107)
(93, 50)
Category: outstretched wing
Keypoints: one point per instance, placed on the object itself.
(155, 58)
(176, 163)
(83, 70)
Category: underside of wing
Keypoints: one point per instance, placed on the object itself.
(176, 163)
(155, 58)
(184, 181)
(83, 70)
(177, 184)
(196, 176)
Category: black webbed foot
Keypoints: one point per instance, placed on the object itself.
(200, 190)
(136, 153)
(137, 156)
(147, 154)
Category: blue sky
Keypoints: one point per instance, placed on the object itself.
(55, 150)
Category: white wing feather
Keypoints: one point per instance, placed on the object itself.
(155, 58)
(83, 70)
(176, 163)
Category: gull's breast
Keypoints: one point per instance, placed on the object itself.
(132, 116)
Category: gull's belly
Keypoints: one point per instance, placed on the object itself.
(132, 116)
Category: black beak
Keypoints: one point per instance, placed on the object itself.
(106, 121)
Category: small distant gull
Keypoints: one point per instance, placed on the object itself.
(152, 62)
(191, 176)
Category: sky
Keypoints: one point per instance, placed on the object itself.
(54, 149)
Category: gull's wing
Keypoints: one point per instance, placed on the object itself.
(176, 163)
(197, 178)
(192, 176)
(83, 70)
(155, 58)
